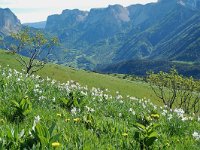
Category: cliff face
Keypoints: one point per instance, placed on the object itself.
(68, 19)
(103, 23)
(8, 22)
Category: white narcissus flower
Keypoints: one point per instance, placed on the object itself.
(198, 118)
(196, 135)
(130, 109)
(184, 118)
(121, 101)
(73, 111)
(120, 114)
(37, 86)
(21, 133)
(92, 110)
(53, 82)
(37, 119)
(179, 112)
(169, 117)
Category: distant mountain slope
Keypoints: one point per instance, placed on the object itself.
(37, 25)
(117, 33)
(105, 23)
(140, 67)
(143, 44)
(82, 27)
(8, 22)
(183, 44)
(68, 19)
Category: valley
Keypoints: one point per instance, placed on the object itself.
(118, 34)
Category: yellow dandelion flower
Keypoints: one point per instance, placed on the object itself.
(67, 120)
(59, 115)
(77, 120)
(155, 116)
(55, 144)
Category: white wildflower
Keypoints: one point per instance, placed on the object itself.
(92, 110)
(73, 111)
(120, 114)
(37, 86)
(36, 121)
(21, 134)
(184, 118)
(180, 112)
(121, 101)
(53, 82)
(164, 112)
(196, 135)
(143, 105)
(169, 117)
(198, 118)
(130, 109)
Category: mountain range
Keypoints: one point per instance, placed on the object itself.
(167, 30)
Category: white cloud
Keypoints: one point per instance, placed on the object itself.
(37, 10)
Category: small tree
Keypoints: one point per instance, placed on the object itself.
(174, 89)
(34, 45)
(165, 86)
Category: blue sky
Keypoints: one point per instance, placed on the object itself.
(38, 10)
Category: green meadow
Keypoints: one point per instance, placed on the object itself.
(62, 73)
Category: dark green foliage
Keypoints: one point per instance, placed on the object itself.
(21, 109)
(140, 67)
(145, 134)
(44, 135)
(75, 99)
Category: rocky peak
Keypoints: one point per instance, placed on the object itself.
(67, 18)
(115, 13)
(75, 13)
(119, 12)
(8, 21)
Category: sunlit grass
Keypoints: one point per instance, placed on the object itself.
(63, 74)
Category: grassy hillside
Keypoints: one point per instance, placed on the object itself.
(63, 74)
(43, 114)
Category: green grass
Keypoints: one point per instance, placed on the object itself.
(61, 73)
(44, 114)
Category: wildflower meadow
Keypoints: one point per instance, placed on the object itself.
(42, 113)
